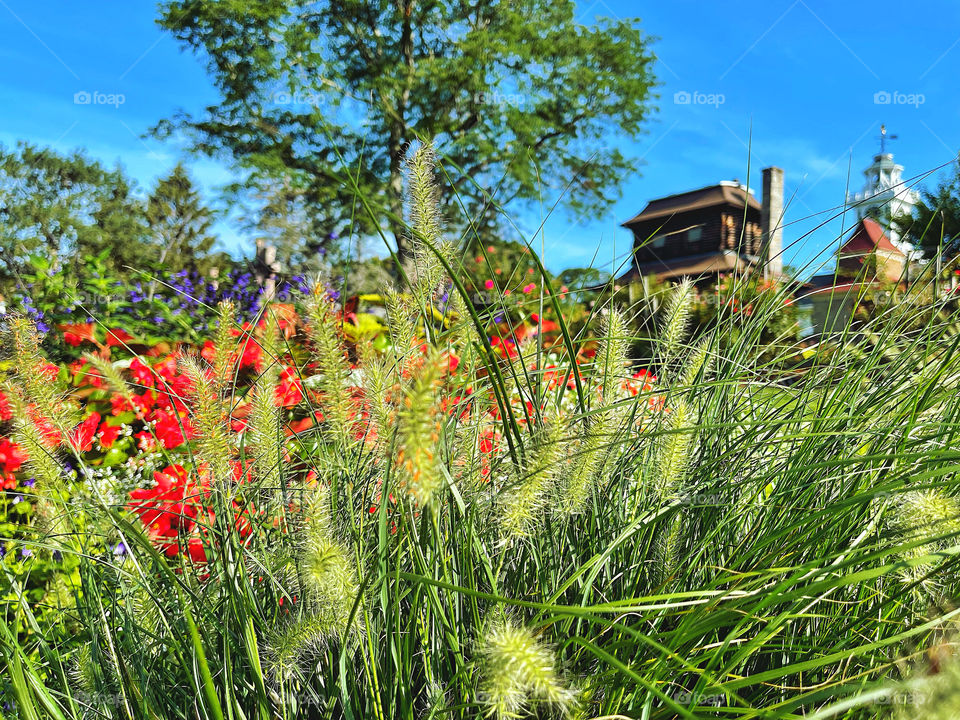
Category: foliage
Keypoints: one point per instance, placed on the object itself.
(934, 227)
(516, 94)
(733, 298)
(62, 210)
(180, 225)
(66, 207)
(444, 529)
(76, 311)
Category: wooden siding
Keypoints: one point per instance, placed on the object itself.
(721, 229)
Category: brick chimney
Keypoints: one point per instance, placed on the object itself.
(771, 221)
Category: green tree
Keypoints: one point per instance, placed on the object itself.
(516, 95)
(180, 224)
(934, 226)
(67, 207)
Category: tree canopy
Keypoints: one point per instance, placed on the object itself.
(180, 223)
(934, 226)
(67, 207)
(519, 98)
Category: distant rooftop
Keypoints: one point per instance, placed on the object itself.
(868, 236)
(724, 193)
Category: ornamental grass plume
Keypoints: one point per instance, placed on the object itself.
(532, 483)
(263, 429)
(675, 321)
(36, 377)
(604, 427)
(324, 330)
(42, 415)
(432, 252)
(919, 514)
(378, 387)
(209, 416)
(327, 584)
(401, 326)
(419, 429)
(224, 346)
(518, 673)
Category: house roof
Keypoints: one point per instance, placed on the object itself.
(688, 266)
(867, 237)
(721, 194)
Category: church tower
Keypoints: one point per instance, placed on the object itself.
(884, 194)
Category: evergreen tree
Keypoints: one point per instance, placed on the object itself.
(180, 224)
(67, 207)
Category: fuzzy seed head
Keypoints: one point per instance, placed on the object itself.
(517, 670)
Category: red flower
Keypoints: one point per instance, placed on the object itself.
(209, 351)
(50, 434)
(146, 442)
(252, 354)
(169, 507)
(177, 515)
(5, 412)
(142, 373)
(81, 437)
(453, 361)
(11, 456)
(109, 434)
(78, 334)
(172, 430)
(289, 391)
(167, 368)
(507, 348)
(118, 336)
(119, 405)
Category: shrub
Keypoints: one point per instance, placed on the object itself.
(457, 530)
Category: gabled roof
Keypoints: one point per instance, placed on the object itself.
(693, 266)
(722, 194)
(867, 237)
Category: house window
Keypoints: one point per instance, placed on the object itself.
(659, 241)
(694, 235)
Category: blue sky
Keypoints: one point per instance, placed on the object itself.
(803, 74)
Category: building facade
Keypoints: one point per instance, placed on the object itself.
(884, 194)
(716, 229)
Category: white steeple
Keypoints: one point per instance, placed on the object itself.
(884, 194)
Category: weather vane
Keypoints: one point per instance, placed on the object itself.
(883, 139)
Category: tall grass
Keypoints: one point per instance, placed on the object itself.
(742, 541)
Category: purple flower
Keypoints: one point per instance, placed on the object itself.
(26, 552)
(120, 550)
(29, 482)
(17, 499)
